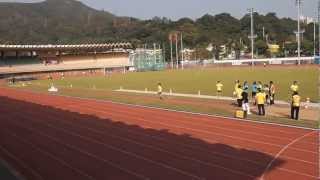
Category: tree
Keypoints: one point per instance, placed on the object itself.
(261, 47)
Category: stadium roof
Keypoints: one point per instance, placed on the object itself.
(5, 47)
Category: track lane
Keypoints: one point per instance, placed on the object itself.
(291, 151)
(54, 116)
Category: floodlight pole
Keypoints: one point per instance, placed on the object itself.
(182, 55)
(299, 3)
(171, 51)
(252, 35)
(177, 51)
(252, 39)
(314, 37)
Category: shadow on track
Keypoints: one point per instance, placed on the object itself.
(43, 142)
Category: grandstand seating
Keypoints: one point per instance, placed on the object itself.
(100, 61)
(73, 59)
(19, 61)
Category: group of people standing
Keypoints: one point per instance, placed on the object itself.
(261, 94)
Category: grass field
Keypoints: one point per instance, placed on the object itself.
(192, 80)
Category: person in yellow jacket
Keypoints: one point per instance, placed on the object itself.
(261, 99)
(239, 95)
(295, 106)
(294, 87)
(219, 86)
(236, 85)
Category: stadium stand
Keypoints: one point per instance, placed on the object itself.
(20, 61)
(74, 59)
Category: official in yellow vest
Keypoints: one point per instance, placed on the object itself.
(236, 85)
(294, 87)
(239, 95)
(261, 99)
(295, 106)
(219, 86)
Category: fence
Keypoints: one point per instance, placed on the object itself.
(277, 61)
(147, 60)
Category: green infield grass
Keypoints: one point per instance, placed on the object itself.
(204, 80)
(190, 81)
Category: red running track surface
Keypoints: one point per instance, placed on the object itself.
(62, 138)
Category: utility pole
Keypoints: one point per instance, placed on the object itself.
(299, 4)
(182, 55)
(171, 50)
(314, 37)
(177, 51)
(252, 35)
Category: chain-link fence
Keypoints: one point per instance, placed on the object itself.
(147, 60)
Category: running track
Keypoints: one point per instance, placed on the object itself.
(46, 137)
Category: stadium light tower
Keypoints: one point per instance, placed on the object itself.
(299, 4)
(252, 35)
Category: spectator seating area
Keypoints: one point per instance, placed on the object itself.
(19, 61)
(68, 62)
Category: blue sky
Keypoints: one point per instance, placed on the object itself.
(176, 9)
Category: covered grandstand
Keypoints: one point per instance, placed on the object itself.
(22, 59)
